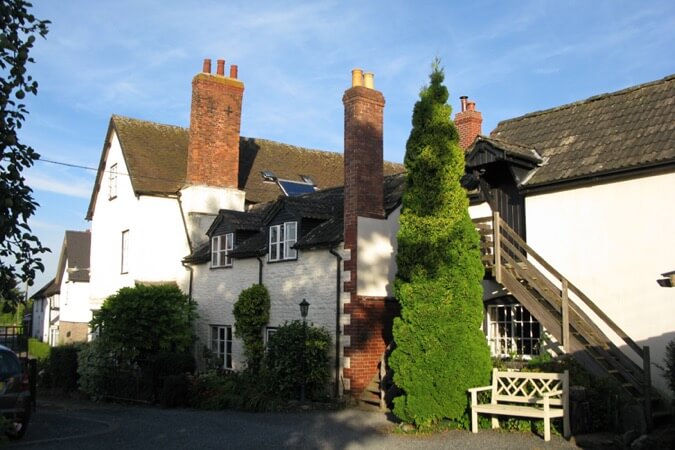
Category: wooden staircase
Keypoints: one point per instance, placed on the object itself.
(578, 325)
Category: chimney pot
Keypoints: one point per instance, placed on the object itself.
(471, 105)
(357, 77)
(463, 99)
(234, 71)
(221, 67)
(369, 80)
(207, 66)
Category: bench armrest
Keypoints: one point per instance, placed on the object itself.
(474, 393)
(552, 393)
(480, 389)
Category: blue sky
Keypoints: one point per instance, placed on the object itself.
(137, 58)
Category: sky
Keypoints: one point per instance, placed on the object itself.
(137, 58)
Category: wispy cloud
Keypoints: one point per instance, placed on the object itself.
(73, 187)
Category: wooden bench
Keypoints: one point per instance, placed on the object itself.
(525, 394)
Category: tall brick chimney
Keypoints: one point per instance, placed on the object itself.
(363, 154)
(366, 318)
(468, 122)
(215, 121)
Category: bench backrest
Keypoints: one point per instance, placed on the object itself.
(528, 387)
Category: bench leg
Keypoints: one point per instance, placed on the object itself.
(474, 421)
(547, 429)
(495, 422)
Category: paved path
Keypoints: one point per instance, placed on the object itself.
(85, 425)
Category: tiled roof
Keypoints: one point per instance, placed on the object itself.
(156, 156)
(621, 131)
(324, 205)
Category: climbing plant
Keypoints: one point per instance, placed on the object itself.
(251, 314)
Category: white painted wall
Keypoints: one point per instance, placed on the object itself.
(40, 324)
(613, 241)
(157, 231)
(312, 277)
(376, 255)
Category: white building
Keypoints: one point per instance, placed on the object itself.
(586, 185)
(61, 312)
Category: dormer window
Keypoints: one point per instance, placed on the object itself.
(282, 238)
(221, 247)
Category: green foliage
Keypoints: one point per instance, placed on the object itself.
(12, 313)
(145, 320)
(670, 365)
(251, 314)
(37, 349)
(440, 348)
(233, 390)
(19, 247)
(62, 367)
(94, 363)
(287, 356)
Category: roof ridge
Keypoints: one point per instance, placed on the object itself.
(593, 98)
(152, 122)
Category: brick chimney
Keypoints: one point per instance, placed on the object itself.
(363, 154)
(215, 121)
(468, 122)
(367, 319)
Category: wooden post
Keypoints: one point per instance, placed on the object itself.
(646, 367)
(496, 233)
(565, 317)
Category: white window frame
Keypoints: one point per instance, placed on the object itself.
(512, 330)
(221, 247)
(124, 257)
(221, 344)
(282, 238)
(112, 182)
(269, 331)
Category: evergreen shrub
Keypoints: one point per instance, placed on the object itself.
(440, 348)
(284, 361)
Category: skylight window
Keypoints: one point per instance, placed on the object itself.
(295, 188)
(268, 175)
(308, 179)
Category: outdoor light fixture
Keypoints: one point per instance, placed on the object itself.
(669, 281)
(304, 308)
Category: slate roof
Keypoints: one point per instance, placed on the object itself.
(47, 290)
(325, 205)
(75, 252)
(156, 156)
(622, 131)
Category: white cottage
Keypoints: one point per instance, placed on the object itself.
(582, 191)
(61, 312)
(159, 187)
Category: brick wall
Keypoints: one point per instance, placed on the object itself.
(215, 120)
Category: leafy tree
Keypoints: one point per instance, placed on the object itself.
(19, 248)
(440, 348)
(251, 314)
(143, 321)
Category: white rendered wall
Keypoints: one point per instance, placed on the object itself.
(312, 277)
(157, 235)
(75, 302)
(376, 255)
(613, 241)
(480, 210)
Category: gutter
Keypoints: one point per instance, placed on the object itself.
(189, 241)
(338, 281)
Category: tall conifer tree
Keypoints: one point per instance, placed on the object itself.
(440, 348)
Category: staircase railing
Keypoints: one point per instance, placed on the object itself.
(503, 249)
